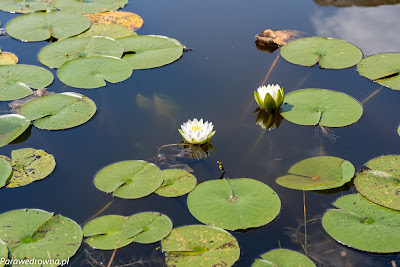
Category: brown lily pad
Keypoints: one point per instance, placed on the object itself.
(127, 19)
(278, 37)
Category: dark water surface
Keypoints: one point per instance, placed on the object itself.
(216, 82)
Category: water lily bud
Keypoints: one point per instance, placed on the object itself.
(196, 132)
(269, 97)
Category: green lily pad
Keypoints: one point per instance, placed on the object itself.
(234, 203)
(318, 173)
(16, 81)
(129, 179)
(145, 52)
(43, 25)
(105, 232)
(113, 31)
(383, 69)
(59, 111)
(93, 72)
(25, 6)
(176, 183)
(89, 6)
(57, 53)
(381, 184)
(29, 165)
(283, 258)
(12, 126)
(330, 53)
(200, 245)
(321, 107)
(3, 252)
(5, 172)
(361, 224)
(37, 234)
(147, 227)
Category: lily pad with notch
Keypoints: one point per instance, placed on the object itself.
(59, 111)
(283, 258)
(128, 20)
(29, 165)
(89, 6)
(129, 179)
(105, 232)
(363, 225)
(41, 26)
(330, 53)
(323, 107)
(12, 126)
(318, 173)
(113, 31)
(93, 72)
(151, 51)
(37, 234)
(383, 69)
(234, 203)
(17, 81)
(147, 227)
(26, 6)
(200, 245)
(381, 183)
(56, 54)
(176, 183)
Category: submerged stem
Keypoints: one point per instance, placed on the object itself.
(305, 221)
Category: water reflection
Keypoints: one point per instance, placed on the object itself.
(268, 120)
(364, 27)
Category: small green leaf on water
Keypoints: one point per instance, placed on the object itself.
(318, 173)
(151, 51)
(92, 6)
(200, 245)
(41, 26)
(24, 6)
(323, 107)
(363, 225)
(330, 53)
(234, 203)
(176, 183)
(383, 69)
(5, 172)
(59, 111)
(147, 227)
(145, 179)
(283, 258)
(12, 126)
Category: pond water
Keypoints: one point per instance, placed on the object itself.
(216, 81)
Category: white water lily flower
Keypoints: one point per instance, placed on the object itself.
(269, 97)
(197, 132)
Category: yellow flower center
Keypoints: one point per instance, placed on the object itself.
(196, 128)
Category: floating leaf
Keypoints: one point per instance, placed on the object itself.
(234, 203)
(278, 37)
(330, 53)
(25, 6)
(37, 234)
(29, 165)
(176, 183)
(318, 173)
(127, 19)
(361, 224)
(129, 179)
(5, 172)
(16, 81)
(381, 184)
(7, 58)
(56, 54)
(105, 232)
(147, 227)
(59, 111)
(89, 6)
(93, 72)
(12, 126)
(282, 258)
(3, 253)
(145, 52)
(43, 25)
(321, 107)
(113, 31)
(382, 68)
(200, 245)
